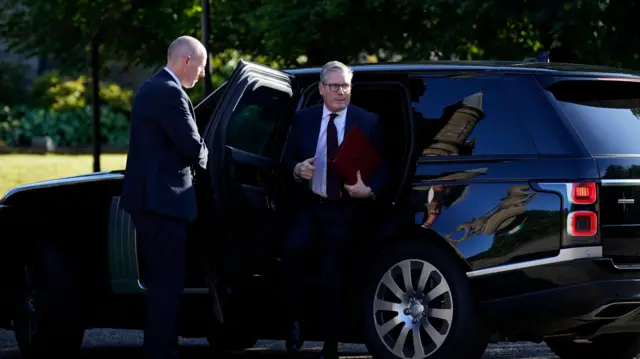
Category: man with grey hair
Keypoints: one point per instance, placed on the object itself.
(327, 205)
(158, 193)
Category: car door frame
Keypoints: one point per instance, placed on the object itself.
(247, 74)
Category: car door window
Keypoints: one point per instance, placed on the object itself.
(204, 109)
(253, 123)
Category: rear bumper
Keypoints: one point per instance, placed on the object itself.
(569, 297)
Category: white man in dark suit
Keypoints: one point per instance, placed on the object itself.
(326, 206)
(158, 192)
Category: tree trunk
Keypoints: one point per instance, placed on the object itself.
(95, 105)
(206, 33)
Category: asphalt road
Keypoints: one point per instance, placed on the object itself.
(125, 344)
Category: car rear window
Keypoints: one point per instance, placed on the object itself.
(604, 113)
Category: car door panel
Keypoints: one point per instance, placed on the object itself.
(254, 175)
(242, 163)
(251, 169)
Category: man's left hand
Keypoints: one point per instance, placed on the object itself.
(359, 189)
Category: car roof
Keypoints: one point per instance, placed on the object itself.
(530, 68)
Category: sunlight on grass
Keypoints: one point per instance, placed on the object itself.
(19, 169)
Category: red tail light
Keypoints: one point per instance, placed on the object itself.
(582, 223)
(583, 193)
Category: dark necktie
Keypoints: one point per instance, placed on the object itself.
(333, 179)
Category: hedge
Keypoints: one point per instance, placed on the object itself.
(21, 124)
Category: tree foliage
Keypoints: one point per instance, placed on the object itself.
(297, 32)
(294, 32)
(127, 30)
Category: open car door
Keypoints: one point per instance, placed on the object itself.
(245, 137)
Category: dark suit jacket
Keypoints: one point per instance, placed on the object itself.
(303, 139)
(164, 144)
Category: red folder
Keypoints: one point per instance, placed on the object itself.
(356, 153)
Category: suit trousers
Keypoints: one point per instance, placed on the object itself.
(162, 245)
(327, 222)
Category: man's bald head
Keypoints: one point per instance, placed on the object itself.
(184, 46)
(186, 57)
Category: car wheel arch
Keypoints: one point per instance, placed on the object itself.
(412, 233)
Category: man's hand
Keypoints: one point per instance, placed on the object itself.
(305, 168)
(359, 189)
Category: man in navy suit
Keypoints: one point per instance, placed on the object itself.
(164, 145)
(328, 206)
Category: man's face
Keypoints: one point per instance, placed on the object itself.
(336, 91)
(193, 70)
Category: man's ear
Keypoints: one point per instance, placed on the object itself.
(188, 59)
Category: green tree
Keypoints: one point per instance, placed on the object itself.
(74, 31)
(388, 30)
(126, 31)
(290, 32)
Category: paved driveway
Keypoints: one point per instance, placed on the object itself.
(125, 344)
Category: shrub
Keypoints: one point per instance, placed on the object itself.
(51, 90)
(68, 127)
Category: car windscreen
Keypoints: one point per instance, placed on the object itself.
(604, 113)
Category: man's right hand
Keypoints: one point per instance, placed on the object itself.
(305, 169)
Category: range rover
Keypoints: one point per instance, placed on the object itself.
(510, 215)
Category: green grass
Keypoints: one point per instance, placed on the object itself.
(19, 169)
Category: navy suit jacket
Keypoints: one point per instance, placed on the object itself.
(164, 144)
(305, 129)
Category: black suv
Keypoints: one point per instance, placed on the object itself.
(510, 215)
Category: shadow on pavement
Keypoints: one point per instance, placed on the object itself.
(189, 352)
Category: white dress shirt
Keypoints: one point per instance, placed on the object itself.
(318, 182)
(173, 75)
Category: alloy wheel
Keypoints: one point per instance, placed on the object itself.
(413, 309)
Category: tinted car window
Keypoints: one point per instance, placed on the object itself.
(468, 117)
(204, 109)
(605, 114)
(255, 118)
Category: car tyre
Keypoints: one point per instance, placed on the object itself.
(47, 317)
(610, 346)
(438, 309)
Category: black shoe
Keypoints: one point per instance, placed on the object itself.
(294, 342)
